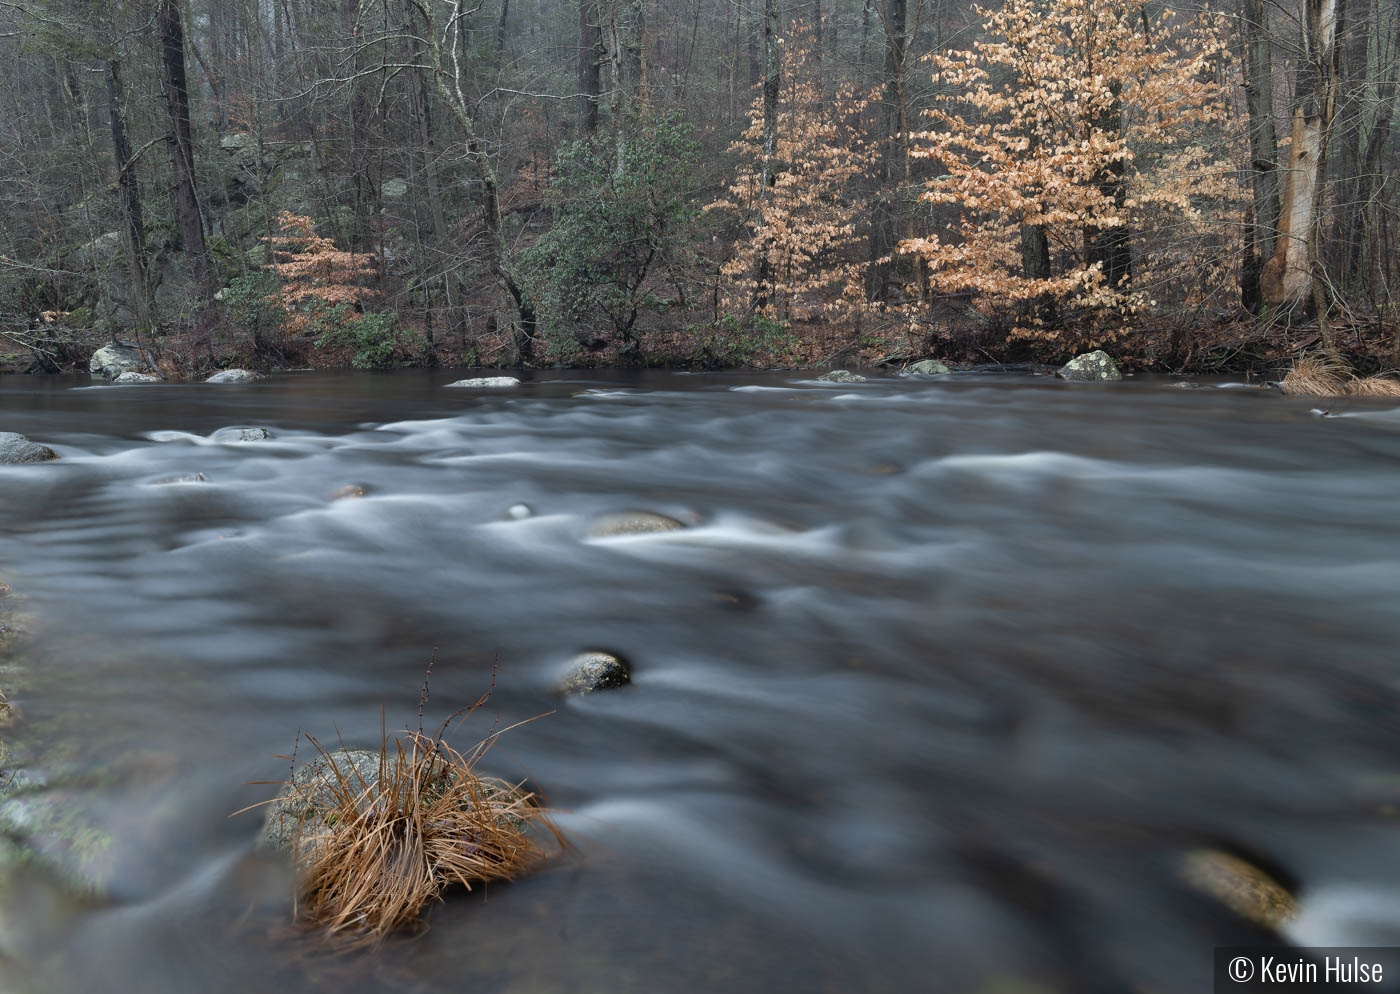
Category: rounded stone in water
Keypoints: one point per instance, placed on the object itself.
(487, 382)
(592, 671)
(1091, 366)
(234, 376)
(241, 435)
(16, 448)
(633, 523)
(841, 376)
(928, 367)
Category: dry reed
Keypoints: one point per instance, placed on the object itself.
(1319, 375)
(372, 848)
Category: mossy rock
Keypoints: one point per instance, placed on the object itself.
(593, 671)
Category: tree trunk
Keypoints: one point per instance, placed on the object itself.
(1288, 277)
(590, 55)
(894, 150)
(177, 105)
(1035, 265)
(772, 88)
(1109, 247)
(133, 228)
(1260, 236)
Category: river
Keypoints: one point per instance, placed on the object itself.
(934, 693)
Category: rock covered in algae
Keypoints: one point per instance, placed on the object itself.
(1091, 366)
(841, 376)
(928, 367)
(593, 671)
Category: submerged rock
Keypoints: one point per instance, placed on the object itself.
(519, 512)
(841, 376)
(487, 382)
(928, 367)
(349, 492)
(181, 478)
(116, 358)
(131, 376)
(632, 523)
(312, 800)
(1242, 887)
(234, 376)
(15, 448)
(591, 671)
(1091, 366)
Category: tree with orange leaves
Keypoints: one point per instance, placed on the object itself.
(1065, 132)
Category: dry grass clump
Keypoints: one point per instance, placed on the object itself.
(374, 846)
(1324, 376)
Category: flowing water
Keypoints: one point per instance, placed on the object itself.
(933, 693)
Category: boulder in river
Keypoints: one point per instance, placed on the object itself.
(594, 670)
(15, 448)
(131, 376)
(487, 382)
(927, 367)
(234, 376)
(349, 492)
(1090, 367)
(841, 376)
(116, 358)
(632, 523)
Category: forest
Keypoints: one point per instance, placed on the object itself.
(711, 183)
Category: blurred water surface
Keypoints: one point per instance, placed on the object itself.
(933, 694)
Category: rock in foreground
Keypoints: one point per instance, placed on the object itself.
(928, 367)
(1090, 367)
(131, 376)
(590, 671)
(487, 382)
(234, 376)
(1242, 887)
(376, 837)
(15, 448)
(841, 376)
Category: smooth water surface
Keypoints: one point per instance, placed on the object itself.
(933, 694)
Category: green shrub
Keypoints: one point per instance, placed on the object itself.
(377, 339)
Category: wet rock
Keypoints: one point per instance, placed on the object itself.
(519, 512)
(15, 448)
(131, 376)
(488, 382)
(234, 376)
(241, 435)
(928, 367)
(1242, 887)
(632, 523)
(1186, 385)
(349, 492)
(1091, 366)
(592, 671)
(310, 801)
(116, 358)
(841, 376)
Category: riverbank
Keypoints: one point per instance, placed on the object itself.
(1233, 347)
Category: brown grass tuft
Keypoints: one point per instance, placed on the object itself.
(1373, 386)
(396, 842)
(1315, 375)
(374, 842)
